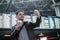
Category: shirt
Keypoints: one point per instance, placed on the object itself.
(23, 34)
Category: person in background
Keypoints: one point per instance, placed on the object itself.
(24, 30)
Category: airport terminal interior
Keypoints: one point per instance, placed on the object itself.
(49, 28)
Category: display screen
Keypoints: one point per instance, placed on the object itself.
(4, 20)
(47, 22)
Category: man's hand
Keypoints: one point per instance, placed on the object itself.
(37, 13)
(18, 25)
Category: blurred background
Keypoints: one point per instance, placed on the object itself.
(49, 9)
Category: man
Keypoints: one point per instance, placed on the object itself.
(24, 30)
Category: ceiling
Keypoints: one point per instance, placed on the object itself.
(27, 5)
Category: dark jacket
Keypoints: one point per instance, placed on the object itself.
(29, 27)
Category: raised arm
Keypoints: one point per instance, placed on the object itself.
(38, 21)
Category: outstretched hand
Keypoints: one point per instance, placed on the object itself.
(37, 13)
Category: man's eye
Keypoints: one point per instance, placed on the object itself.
(21, 14)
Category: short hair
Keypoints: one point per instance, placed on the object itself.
(19, 11)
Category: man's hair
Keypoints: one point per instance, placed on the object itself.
(19, 11)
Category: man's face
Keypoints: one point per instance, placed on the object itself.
(20, 15)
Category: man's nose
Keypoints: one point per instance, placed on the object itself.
(22, 16)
